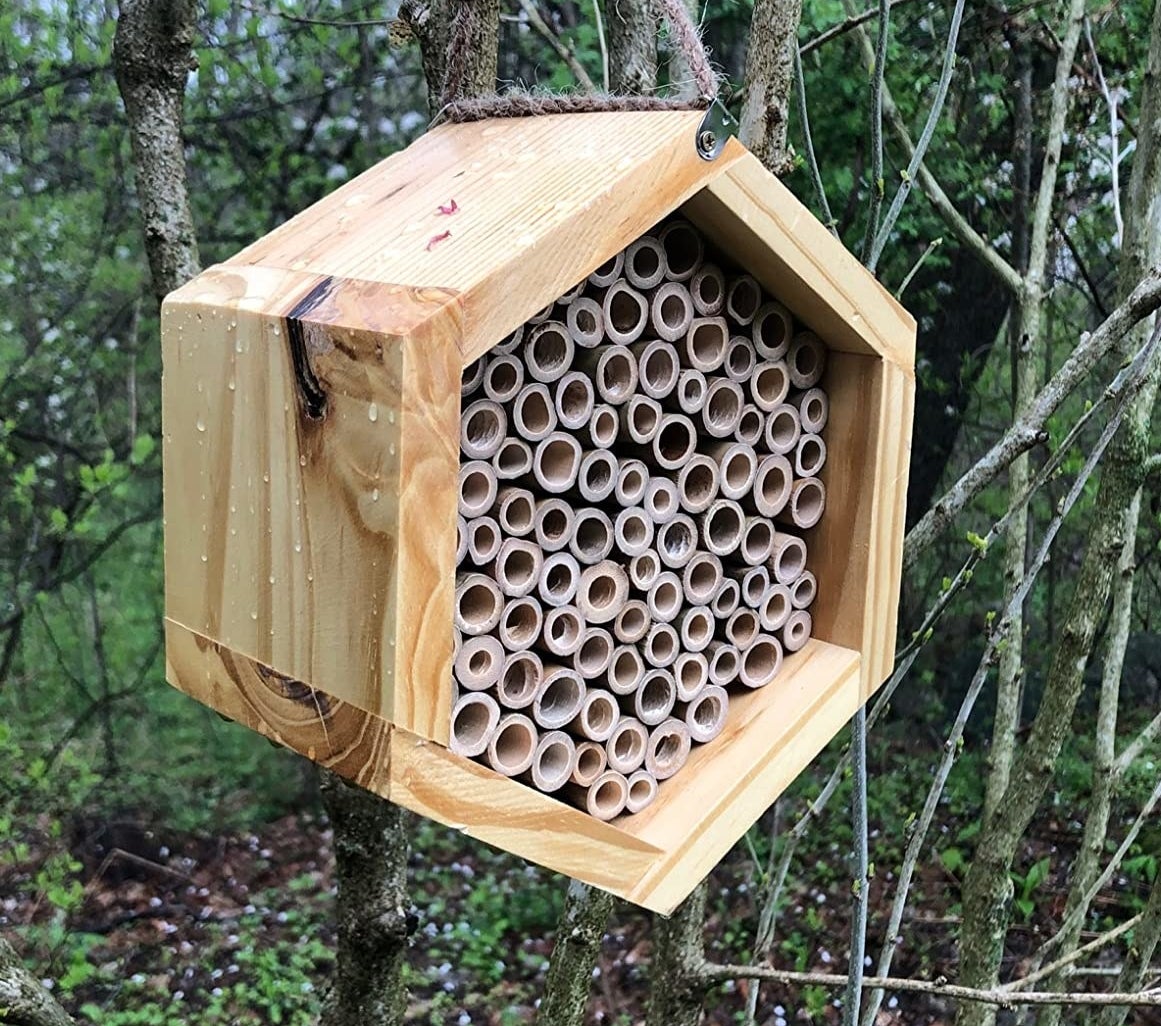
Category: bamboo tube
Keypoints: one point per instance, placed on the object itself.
(742, 628)
(774, 609)
(512, 343)
(512, 745)
(803, 590)
(477, 488)
(737, 467)
(705, 344)
(697, 628)
(472, 377)
(604, 799)
(670, 314)
(556, 462)
(632, 623)
(743, 297)
(644, 570)
(483, 540)
(668, 748)
(664, 597)
(626, 669)
(724, 661)
(633, 531)
(553, 762)
(723, 408)
(520, 680)
(608, 272)
(705, 715)
(626, 745)
(478, 663)
(788, 557)
(661, 645)
(563, 630)
(769, 384)
(807, 503)
(560, 697)
(585, 321)
(573, 400)
(603, 591)
(727, 598)
(483, 426)
(567, 297)
(461, 538)
(592, 659)
(675, 442)
(806, 359)
(755, 583)
(751, 426)
(540, 316)
(740, 359)
(761, 662)
(757, 541)
(591, 761)
(513, 459)
(597, 476)
(697, 484)
(559, 578)
(548, 353)
(653, 701)
(681, 248)
(796, 630)
(657, 366)
(813, 410)
(707, 289)
(721, 527)
(552, 524)
(613, 370)
(517, 567)
(626, 313)
(598, 716)
(642, 791)
(533, 412)
(604, 426)
(809, 456)
(503, 378)
(639, 419)
(691, 389)
(661, 499)
(474, 720)
(515, 510)
(701, 578)
(592, 535)
(782, 429)
(691, 675)
(677, 541)
(645, 262)
(479, 603)
(521, 623)
(632, 479)
(772, 485)
(772, 330)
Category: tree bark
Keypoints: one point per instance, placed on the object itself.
(23, 999)
(632, 30)
(1137, 961)
(578, 944)
(458, 44)
(769, 77)
(677, 983)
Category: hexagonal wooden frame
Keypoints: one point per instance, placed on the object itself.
(311, 409)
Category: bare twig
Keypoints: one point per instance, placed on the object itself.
(602, 44)
(1096, 944)
(1114, 144)
(878, 74)
(861, 883)
(565, 53)
(808, 142)
(932, 246)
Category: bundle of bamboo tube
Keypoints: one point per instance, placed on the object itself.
(639, 462)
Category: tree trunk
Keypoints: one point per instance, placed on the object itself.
(1136, 965)
(458, 44)
(632, 30)
(578, 944)
(676, 984)
(23, 999)
(769, 77)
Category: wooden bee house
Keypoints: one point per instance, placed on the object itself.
(312, 429)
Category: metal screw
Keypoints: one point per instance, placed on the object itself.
(707, 141)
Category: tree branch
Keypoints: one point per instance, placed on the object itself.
(23, 1000)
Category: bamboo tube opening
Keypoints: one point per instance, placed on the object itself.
(727, 598)
(772, 484)
(608, 272)
(632, 479)
(590, 763)
(626, 313)
(645, 262)
(517, 567)
(705, 344)
(513, 745)
(773, 327)
(516, 511)
(633, 531)
(625, 670)
(541, 315)
(556, 462)
(521, 623)
(806, 359)
(681, 249)
(789, 557)
(796, 631)
(616, 377)
(479, 662)
(563, 630)
(661, 499)
(479, 603)
(533, 412)
(722, 527)
(607, 798)
(461, 538)
(657, 367)
(598, 475)
(598, 716)
(755, 584)
(702, 578)
(503, 378)
(668, 749)
(760, 662)
(559, 578)
(482, 429)
(770, 384)
(740, 359)
(603, 591)
(697, 483)
(640, 417)
(807, 502)
(642, 791)
(604, 426)
(548, 351)
(743, 628)
(474, 720)
(632, 623)
(757, 541)
(510, 344)
(751, 425)
(595, 653)
(705, 716)
(664, 597)
(626, 745)
(585, 321)
(520, 680)
(803, 590)
(472, 377)
(782, 429)
(690, 675)
(677, 541)
(775, 608)
(477, 488)
(697, 628)
(738, 467)
(810, 455)
(675, 441)
(513, 459)
(723, 408)
(552, 524)
(553, 763)
(813, 411)
(592, 535)
(654, 699)
(691, 388)
(707, 289)
(661, 646)
(644, 569)
(724, 660)
(743, 298)
(670, 314)
(483, 540)
(574, 400)
(561, 695)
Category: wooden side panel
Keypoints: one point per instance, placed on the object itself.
(757, 220)
(772, 734)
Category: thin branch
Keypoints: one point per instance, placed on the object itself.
(932, 246)
(861, 884)
(808, 142)
(853, 21)
(602, 44)
(1146, 737)
(565, 53)
(878, 74)
(1114, 144)
(1093, 945)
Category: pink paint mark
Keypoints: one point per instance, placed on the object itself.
(449, 208)
(436, 239)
